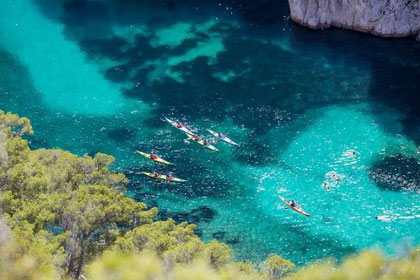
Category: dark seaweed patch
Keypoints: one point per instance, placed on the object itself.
(118, 73)
(81, 12)
(201, 214)
(121, 134)
(396, 173)
(111, 48)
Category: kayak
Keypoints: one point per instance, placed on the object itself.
(223, 138)
(296, 208)
(164, 178)
(158, 159)
(201, 142)
(183, 128)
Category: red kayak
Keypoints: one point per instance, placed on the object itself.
(296, 208)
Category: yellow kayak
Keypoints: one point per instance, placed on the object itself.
(201, 142)
(158, 159)
(164, 178)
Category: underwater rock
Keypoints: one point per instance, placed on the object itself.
(397, 172)
(197, 215)
(219, 235)
(232, 241)
(393, 18)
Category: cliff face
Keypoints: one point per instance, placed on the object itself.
(387, 18)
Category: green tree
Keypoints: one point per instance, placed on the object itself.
(275, 266)
(96, 209)
(23, 260)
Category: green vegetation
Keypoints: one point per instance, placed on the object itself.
(66, 217)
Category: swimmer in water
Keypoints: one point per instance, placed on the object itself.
(325, 185)
(383, 218)
(170, 177)
(350, 153)
(336, 178)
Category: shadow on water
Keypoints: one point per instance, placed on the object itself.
(394, 66)
(399, 89)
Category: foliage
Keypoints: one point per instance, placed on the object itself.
(72, 202)
(367, 265)
(21, 260)
(173, 243)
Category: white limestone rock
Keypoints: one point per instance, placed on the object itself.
(387, 18)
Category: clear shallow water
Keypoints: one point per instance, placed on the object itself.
(97, 76)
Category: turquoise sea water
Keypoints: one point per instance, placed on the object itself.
(97, 76)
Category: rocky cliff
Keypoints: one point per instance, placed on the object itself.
(387, 18)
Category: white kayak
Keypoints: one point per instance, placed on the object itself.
(223, 138)
(179, 126)
(201, 142)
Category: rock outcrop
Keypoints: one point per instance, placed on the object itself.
(387, 18)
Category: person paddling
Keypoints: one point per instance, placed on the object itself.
(293, 203)
(153, 156)
(179, 125)
(170, 177)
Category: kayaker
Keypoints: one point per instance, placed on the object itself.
(179, 125)
(155, 174)
(196, 137)
(170, 177)
(205, 143)
(219, 135)
(153, 156)
(293, 203)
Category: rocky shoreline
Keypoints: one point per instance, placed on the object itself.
(386, 18)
